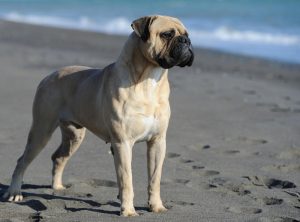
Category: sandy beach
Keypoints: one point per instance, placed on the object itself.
(233, 145)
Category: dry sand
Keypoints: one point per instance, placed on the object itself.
(233, 145)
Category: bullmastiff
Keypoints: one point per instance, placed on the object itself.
(124, 103)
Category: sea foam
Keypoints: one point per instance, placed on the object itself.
(224, 33)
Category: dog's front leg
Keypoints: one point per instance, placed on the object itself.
(155, 157)
(122, 158)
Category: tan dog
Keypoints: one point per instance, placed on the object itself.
(124, 103)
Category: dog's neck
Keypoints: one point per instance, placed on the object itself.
(140, 68)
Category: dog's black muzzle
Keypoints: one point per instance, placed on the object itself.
(181, 53)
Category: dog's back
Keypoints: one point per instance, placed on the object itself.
(58, 89)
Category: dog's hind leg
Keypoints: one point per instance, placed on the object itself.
(72, 136)
(45, 110)
(38, 137)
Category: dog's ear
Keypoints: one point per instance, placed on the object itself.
(141, 26)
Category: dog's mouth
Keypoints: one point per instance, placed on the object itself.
(187, 58)
(168, 62)
(181, 54)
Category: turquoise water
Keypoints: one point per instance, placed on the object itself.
(264, 28)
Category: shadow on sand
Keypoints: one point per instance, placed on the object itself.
(38, 206)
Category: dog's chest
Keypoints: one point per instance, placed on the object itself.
(155, 76)
(150, 128)
(144, 110)
(142, 122)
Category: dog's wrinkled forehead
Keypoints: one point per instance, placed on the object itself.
(156, 24)
(165, 23)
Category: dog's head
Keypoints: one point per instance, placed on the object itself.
(164, 41)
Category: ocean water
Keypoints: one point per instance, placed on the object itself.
(262, 28)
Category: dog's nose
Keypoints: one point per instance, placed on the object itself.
(184, 39)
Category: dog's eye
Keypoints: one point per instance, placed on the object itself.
(167, 35)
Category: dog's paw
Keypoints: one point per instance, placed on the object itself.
(157, 208)
(128, 213)
(58, 187)
(13, 196)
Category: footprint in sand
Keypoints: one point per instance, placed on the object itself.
(279, 109)
(244, 139)
(294, 194)
(275, 108)
(181, 181)
(249, 92)
(282, 184)
(268, 105)
(199, 146)
(205, 172)
(232, 152)
(277, 219)
(206, 147)
(178, 181)
(225, 185)
(270, 200)
(210, 172)
(182, 203)
(172, 155)
(186, 161)
(282, 167)
(239, 189)
(289, 154)
(219, 181)
(198, 167)
(244, 210)
(102, 183)
(270, 182)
